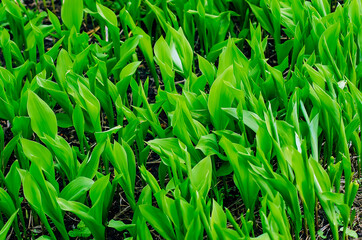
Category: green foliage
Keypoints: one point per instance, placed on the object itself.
(180, 119)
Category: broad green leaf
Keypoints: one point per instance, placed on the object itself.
(33, 195)
(125, 78)
(107, 14)
(6, 203)
(41, 156)
(8, 150)
(209, 146)
(43, 120)
(92, 106)
(220, 97)
(150, 179)
(90, 165)
(76, 189)
(201, 176)
(4, 231)
(208, 69)
(82, 211)
(55, 21)
(166, 146)
(243, 179)
(21, 125)
(79, 123)
(158, 220)
(72, 13)
(120, 226)
(101, 195)
(127, 49)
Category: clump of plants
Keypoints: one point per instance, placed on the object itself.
(180, 119)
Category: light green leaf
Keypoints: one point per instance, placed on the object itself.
(43, 120)
(201, 176)
(220, 97)
(72, 13)
(158, 220)
(4, 231)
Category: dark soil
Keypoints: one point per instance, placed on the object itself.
(8, 134)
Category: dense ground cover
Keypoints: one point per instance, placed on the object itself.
(201, 119)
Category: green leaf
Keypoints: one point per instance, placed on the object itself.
(164, 60)
(21, 125)
(209, 146)
(76, 189)
(90, 165)
(4, 231)
(208, 69)
(165, 147)
(322, 6)
(158, 220)
(72, 13)
(126, 77)
(201, 176)
(92, 106)
(44, 237)
(120, 226)
(41, 156)
(107, 14)
(330, 105)
(83, 233)
(243, 178)
(181, 52)
(100, 195)
(127, 49)
(150, 179)
(6, 203)
(219, 98)
(350, 233)
(79, 123)
(63, 155)
(195, 230)
(82, 211)
(262, 17)
(33, 195)
(321, 234)
(43, 120)
(218, 218)
(8, 150)
(55, 21)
